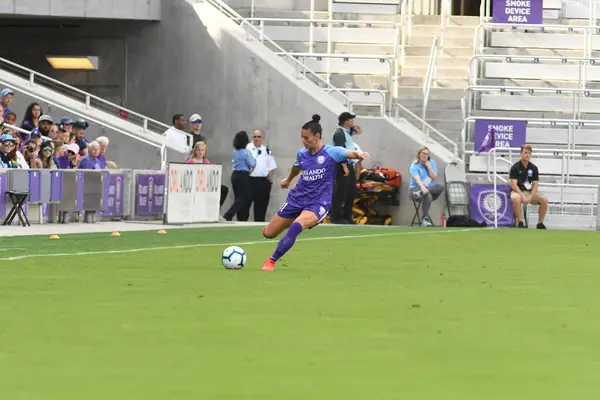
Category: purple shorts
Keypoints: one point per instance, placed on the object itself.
(293, 210)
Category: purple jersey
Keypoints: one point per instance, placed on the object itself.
(317, 176)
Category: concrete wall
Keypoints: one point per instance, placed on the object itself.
(183, 64)
(112, 9)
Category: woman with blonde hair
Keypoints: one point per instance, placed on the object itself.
(199, 154)
(423, 173)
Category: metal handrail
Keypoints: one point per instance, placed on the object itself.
(430, 129)
(430, 75)
(391, 80)
(321, 21)
(383, 93)
(242, 22)
(80, 114)
(68, 90)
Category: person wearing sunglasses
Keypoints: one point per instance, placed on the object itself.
(196, 124)
(8, 152)
(45, 155)
(71, 159)
(261, 177)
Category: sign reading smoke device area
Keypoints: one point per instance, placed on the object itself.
(518, 12)
(194, 193)
(507, 133)
(485, 204)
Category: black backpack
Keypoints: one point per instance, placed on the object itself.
(462, 221)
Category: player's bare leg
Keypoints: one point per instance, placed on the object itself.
(276, 226)
(307, 219)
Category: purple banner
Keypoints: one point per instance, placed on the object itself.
(79, 200)
(112, 195)
(150, 194)
(2, 196)
(518, 12)
(485, 204)
(56, 186)
(507, 133)
(35, 186)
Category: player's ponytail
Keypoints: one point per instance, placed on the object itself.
(314, 125)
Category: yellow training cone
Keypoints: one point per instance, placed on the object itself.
(116, 234)
(54, 237)
(162, 232)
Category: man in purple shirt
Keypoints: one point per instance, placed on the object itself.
(91, 161)
(310, 201)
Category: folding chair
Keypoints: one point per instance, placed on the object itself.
(457, 190)
(18, 200)
(417, 204)
(525, 222)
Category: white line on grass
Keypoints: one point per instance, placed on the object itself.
(189, 246)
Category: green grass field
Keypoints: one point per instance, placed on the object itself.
(398, 314)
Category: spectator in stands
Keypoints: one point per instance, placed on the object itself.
(524, 181)
(54, 132)
(345, 181)
(176, 133)
(1, 112)
(423, 173)
(29, 151)
(261, 177)
(37, 136)
(91, 161)
(45, 155)
(79, 128)
(73, 156)
(196, 132)
(10, 118)
(6, 98)
(243, 164)
(66, 127)
(199, 156)
(103, 142)
(32, 117)
(44, 124)
(8, 158)
(20, 158)
(60, 155)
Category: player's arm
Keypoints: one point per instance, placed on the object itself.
(293, 173)
(357, 155)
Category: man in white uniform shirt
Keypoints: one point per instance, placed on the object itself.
(176, 133)
(261, 177)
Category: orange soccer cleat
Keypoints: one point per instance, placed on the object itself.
(269, 265)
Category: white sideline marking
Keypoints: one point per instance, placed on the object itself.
(189, 246)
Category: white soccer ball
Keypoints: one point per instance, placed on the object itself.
(234, 257)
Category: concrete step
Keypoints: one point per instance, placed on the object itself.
(442, 62)
(425, 40)
(445, 125)
(449, 31)
(454, 73)
(432, 104)
(455, 20)
(368, 17)
(524, 114)
(352, 48)
(536, 52)
(460, 83)
(449, 51)
(449, 114)
(358, 81)
(408, 92)
(516, 83)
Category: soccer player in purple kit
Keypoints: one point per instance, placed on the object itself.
(309, 202)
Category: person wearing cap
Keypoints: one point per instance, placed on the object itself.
(261, 177)
(6, 98)
(8, 152)
(176, 133)
(79, 128)
(69, 160)
(345, 181)
(65, 127)
(196, 132)
(44, 124)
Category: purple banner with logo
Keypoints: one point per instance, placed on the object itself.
(35, 186)
(2, 196)
(507, 133)
(112, 195)
(518, 12)
(150, 194)
(485, 203)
